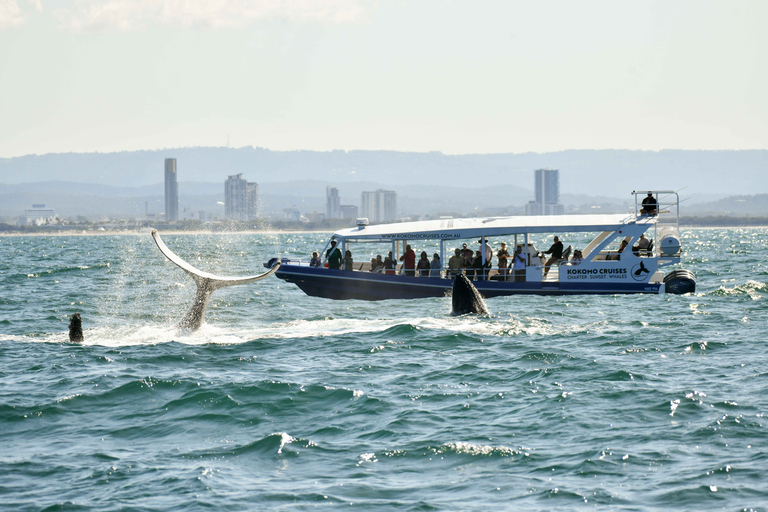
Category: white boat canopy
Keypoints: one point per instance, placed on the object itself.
(454, 229)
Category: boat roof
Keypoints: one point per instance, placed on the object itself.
(449, 229)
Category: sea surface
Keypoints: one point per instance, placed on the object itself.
(288, 402)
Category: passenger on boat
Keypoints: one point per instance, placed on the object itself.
(502, 255)
(467, 254)
(642, 244)
(488, 258)
(389, 264)
(477, 265)
(649, 205)
(315, 261)
(577, 257)
(623, 246)
(435, 266)
(409, 261)
(455, 263)
(556, 250)
(379, 263)
(334, 256)
(519, 264)
(423, 265)
(348, 261)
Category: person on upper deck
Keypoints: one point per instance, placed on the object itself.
(556, 250)
(650, 205)
(333, 254)
(455, 263)
(409, 261)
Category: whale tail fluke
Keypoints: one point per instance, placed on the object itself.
(206, 284)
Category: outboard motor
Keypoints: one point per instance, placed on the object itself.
(679, 282)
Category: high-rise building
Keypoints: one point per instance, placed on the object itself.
(379, 206)
(241, 198)
(547, 202)
(171, 191)
(332, 203)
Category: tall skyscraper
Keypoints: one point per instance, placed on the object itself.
(241, 198)
(379, 206)
(171, 191)
(547, 202)
(332, 203)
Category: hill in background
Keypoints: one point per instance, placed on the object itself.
(131, 183)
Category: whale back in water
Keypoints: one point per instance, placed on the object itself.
(76, 328)
(465, 298)
(206, 285)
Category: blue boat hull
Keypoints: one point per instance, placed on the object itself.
(342, 285)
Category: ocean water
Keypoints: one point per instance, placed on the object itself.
(287, 402)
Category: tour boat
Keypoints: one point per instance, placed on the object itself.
(607, 266)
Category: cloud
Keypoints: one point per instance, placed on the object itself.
(11, 15)
(131, 15)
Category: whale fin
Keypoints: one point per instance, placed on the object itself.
(207, 283)
(465, 298)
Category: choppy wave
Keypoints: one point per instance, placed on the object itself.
(283, 402)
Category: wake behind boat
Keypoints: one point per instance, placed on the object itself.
(627, 254)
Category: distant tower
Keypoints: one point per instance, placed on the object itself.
(332, 203)
(171, 191)
(241, 198)
(379, 206)
(547, 200)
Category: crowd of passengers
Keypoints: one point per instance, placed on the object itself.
(464, 260)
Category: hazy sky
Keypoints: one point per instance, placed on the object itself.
(420, 75)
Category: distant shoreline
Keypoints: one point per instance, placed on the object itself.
(176, 232)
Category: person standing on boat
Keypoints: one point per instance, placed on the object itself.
(518, 261)
(502, 256)
(315, 261)
(423, 265)
(556, 250)
(435, 265)
(467, 254)
(409, 261)
(348, 261)
(486, 267)
(334, 256)
(455, 263)
(389, 264)
(477, 264)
